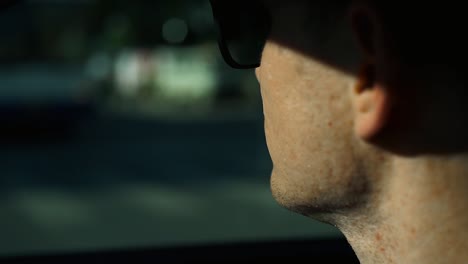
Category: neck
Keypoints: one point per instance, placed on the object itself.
(420, 215)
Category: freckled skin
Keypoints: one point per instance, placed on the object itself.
(306, 153)
(378, 236)
(391, 208)
(308, 127)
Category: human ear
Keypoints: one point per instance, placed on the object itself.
(371, 97)
(372, 104)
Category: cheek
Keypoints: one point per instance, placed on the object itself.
(308, 127)
(289, 124)
(304, 112)
(289, 141)
(282, 101)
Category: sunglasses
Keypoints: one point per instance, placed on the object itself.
(243, 27)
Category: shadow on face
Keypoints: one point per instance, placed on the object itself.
(419, 62)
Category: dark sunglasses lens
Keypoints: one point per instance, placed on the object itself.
(244, 28)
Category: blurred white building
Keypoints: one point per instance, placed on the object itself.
(185, 75)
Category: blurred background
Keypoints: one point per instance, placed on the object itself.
(122, 127)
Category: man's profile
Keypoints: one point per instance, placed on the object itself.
(364, 105)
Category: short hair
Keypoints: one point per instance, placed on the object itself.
(427, 32)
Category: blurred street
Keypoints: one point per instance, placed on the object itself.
(73, 178)
(129, 181)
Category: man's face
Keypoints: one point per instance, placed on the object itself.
(308, 117)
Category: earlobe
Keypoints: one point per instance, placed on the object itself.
(371, 99)
(372, 105)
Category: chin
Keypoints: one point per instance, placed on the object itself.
(322, 204)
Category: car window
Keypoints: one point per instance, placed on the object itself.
(122, 127)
